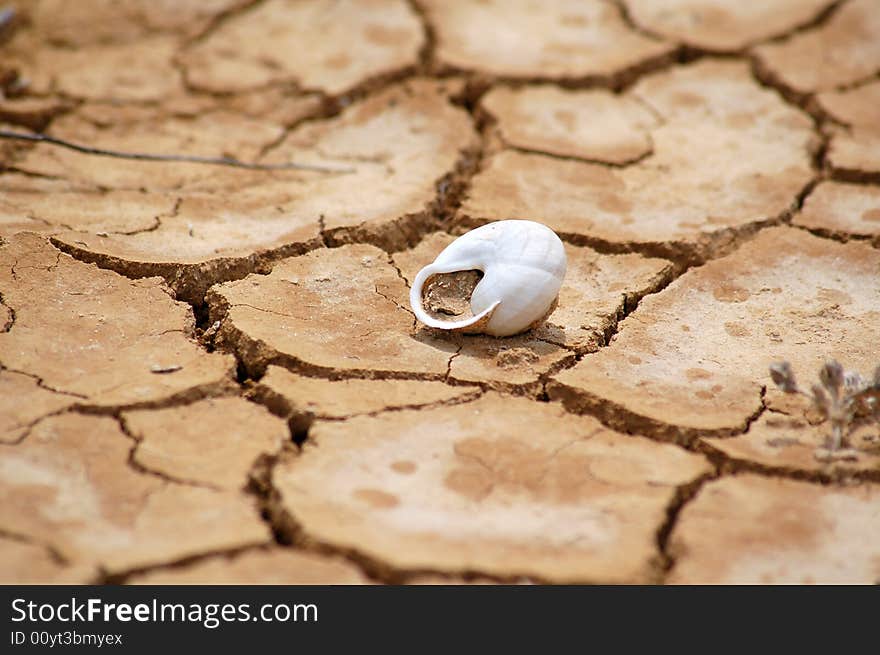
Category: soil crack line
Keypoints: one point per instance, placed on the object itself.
(392, 300)
(42, 384)
(683, 495)
(29, 427)
(649, 152)
(220, 19)
(134, 464)
(221, 389)
(429, 38)
(10, 318)
(53, 552)
(449, 362)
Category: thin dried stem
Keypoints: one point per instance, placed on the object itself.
(189, 159)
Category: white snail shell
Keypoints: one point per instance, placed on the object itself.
(523, 265)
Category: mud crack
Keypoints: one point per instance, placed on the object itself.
(289, 533)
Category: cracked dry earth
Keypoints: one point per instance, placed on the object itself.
(212, 374)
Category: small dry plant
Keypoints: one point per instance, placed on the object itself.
(844, 398)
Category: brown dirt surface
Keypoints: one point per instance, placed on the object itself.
(520, 38)
(754, 530)
(842, 210)
(591, 125)
(727, 155)
(290, 394)
(22, 562)
(70, 485)
(718, 26)
(691, 359)
(97, 337)
(854, 150)
(209, 368)
(316, 44)
(223, 436)
(469, 488)
(23, 402)
(843, 51)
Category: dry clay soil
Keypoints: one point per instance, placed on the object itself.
(212, 374)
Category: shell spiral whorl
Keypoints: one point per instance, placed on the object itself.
(523, 265)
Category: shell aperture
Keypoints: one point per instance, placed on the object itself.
(523, 265)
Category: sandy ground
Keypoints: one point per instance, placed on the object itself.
(212, 374)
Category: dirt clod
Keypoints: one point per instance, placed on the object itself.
(692, 360)
(728, 156)
(68, 485)
(755, 530)
(501, 485)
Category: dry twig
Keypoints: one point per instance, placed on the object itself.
(190, 159)
(844, 398)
